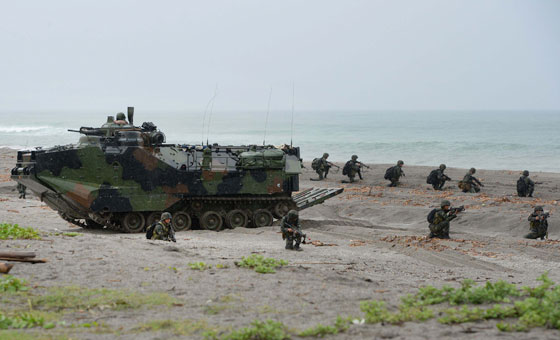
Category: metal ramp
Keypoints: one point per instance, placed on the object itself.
(313, 196)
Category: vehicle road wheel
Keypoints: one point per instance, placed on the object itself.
(181, 221)
(91, 224)
(236, 219)
(211, 220)
(262, 218)
(281, 209)
(153, 218)
(133, 222)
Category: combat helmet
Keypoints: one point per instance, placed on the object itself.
(526, 173)
(292, 214)
(472, 170)
(325, 155)
(538, 208)
(354, 157)
(400, 163)
(444, 203)
(442, 166)
(121, 116)
(165, 216)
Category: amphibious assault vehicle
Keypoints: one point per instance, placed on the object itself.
(121, 176)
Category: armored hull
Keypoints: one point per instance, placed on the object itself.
(122, 177)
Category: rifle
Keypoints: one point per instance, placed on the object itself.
(542, 219)
(171, 234)
(294, 233)
(456, 210)
(362, 164)
(334, 165)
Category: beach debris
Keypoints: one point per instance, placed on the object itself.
(357, 243)
(318, 243)
(20, 257)
(5, 267)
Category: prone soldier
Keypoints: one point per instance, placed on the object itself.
(525, 185)
(538, 224)
(470, 183)
(163, 229)
(394, 173)
(291, 231)
(439, 219)
(437, 178)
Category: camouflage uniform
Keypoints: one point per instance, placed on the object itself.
(396, 173)
(164, 231)
(529, 185)
(353, 169)
(441, 178)
(470, 183)
(21, 189)
(439, 228)
(291, 221)
(324, 166)
(538, 228)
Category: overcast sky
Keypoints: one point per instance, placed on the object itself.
(365, 55)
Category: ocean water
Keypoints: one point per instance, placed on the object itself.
(513, 140)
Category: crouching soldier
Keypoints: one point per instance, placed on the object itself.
(525, 185)
(437, 178)
(394, 173)
(470, 183)
(439, 219)
(538, 224)
(21, 189)
(291, 230)
(163, 230)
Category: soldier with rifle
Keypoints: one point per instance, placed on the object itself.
(538, 224)
(322, 166)
(437, 178)
(21, 189)
(353, 168)
(470, 183)
(291, 231)
(439, 219)
(525, 185)
(394, 173)
(163, 229)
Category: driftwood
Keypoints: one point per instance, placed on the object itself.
(17, 254)
(5, 267)
(3, 258)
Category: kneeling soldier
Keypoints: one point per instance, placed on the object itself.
(163, 229)
(538, 224)
(439, 219)
(291, 230)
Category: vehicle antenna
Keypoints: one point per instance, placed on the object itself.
(267, 113)
(293, 104)
(211, 110)
(204, 116)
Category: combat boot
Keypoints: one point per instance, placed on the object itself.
(289, 245)
(297, 248)
(432, 235)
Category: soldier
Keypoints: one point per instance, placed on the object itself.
(470, 183)
(163, 229)
(538, 224)
(351, 169)
(21, 189)
(394, 173)
(121, 119)
(439, 219)
(437, 178)
(321, 167)
(525, 186)
(291, 230)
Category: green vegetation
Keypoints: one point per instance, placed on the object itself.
(181, 327)
(259, 330)
(24, 320)
(341, 325)
(261, 264)
(29, 335)
(72, 234)
(15, 232)
(221, 266)
(73, 297)
(8, 283)
(539, 308)
(200, 266)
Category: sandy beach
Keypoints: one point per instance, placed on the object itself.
(377, 251)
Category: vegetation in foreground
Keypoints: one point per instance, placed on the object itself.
(15, 232)
(261, 264)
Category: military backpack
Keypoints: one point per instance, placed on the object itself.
(521, 186)
(150, 230)
(432, 177)
(316, 163)
(389, 173)
(346, 169)
(432, 215)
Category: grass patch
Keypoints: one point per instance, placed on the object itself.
(73, 297)
(9, 283)
(72, 234)
(529, 307)
(259, 330)
(24, 320)
(29, 335)
(181, 327)
(15, 232)
(341, 325)
(261, 264)
(199, 266)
